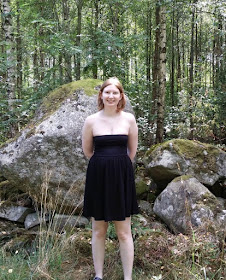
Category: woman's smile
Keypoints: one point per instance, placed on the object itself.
(111, 95)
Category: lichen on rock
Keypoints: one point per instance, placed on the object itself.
(185, 202)
(178, 157)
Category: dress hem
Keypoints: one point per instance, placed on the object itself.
(111, 219)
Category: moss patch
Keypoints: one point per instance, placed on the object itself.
(141, 187)
(211, 201)
(53, 100)
(182, 178)
(192, 150)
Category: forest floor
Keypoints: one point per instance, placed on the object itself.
(159, 254)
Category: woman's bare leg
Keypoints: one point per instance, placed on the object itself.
(123, 229)
(99, 230)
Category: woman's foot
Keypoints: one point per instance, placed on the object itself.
(97, 278)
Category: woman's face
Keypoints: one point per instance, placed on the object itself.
(111, 96)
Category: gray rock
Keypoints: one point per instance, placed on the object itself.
(178, 157)
(185, 202)
(146, 207)
(46, 160)
(68, 222)
(222, 202)
(15, 213)
(34, 219)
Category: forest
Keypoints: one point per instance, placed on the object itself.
(168, 54)
(170, 57)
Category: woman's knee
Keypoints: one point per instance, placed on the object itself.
(124, 235)
(99, 233)
(99, 229)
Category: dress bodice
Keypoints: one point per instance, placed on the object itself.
(115, 144)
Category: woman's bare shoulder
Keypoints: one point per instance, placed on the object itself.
(92, 117)
(128, 116)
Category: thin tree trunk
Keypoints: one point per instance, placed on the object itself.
(218, 52)
(178, 56)
(161, 75)
(35, 59)
(148, 48)
(183, 55)
(42, 62)
(2, 39)
(155, 71)
(172, 58)
(79, 4)
(96, 23)
(66, 27)
(10, 71)
(19, 53)
(61, 69)
(191, 76)
(135, 55)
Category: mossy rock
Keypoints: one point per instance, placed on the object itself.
(178, 157)
(141, 188)
(71, 90)
(54, 100)
(185, 202)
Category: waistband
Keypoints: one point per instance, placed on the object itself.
(110, 151)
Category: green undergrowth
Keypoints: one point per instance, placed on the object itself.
(63, 254)
(158, 255)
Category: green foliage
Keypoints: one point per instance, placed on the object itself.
(118, 39)
(137, 228)
(14, 267)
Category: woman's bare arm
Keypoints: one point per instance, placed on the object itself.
(133, 137)
(87, 137)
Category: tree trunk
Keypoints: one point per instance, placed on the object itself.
(10, 71)
(79, 4)
(35, 59)
(161, 73)
(135, 56)
(191, 76)
(2, 39)
(178, 56)
(218, 53)
(183, 56)
(96, 23)
(155, 69)
(19, 54)
(61, 69)
(172, 58)
(148, 47)
(66, 28)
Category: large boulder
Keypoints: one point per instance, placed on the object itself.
(178, 157)
(185, 202)
(46, 159)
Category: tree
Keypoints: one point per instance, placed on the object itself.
(191, 76)
(79, 4)
(7, 28)
(160, 58)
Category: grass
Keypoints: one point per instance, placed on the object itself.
(159, 254)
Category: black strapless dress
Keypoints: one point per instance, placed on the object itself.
(110, 193)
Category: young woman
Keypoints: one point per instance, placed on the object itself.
(109, 140)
